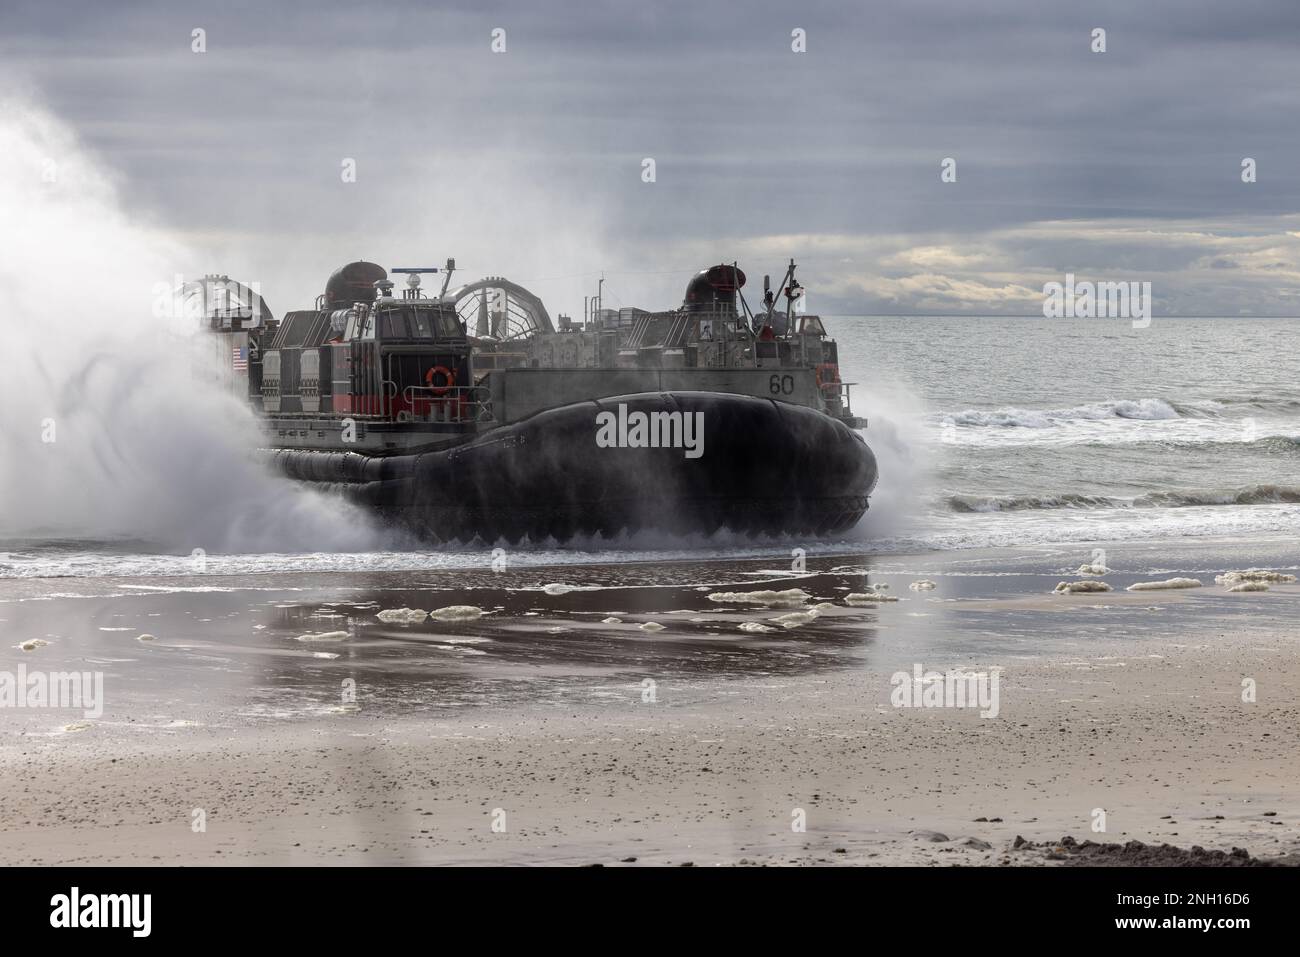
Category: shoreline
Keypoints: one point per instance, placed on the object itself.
(1128, 703)
(1268, 548)
(711, 773)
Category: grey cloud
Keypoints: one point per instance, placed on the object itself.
(240, 148)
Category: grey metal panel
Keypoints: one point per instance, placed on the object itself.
(518, 393)
(309, 390)
(271, 380)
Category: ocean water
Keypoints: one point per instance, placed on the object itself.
(990, 432)
(1018, 431)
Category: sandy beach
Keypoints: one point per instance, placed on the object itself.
(698, 744)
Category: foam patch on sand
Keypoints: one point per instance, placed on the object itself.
(31, 644)
(867, 598)
(1254, 575)
(1070, 588)
(1167, 583)
(790, 597)
(795, 619)
(457, 613)
(1249, 586)
(559, 588)
(402, 616)
(1092, 570)
(324, 636)
(923, 585)
(652, 626)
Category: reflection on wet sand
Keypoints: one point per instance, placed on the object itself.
(229, 652)
(531, 643)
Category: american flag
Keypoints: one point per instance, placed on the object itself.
(239, 359)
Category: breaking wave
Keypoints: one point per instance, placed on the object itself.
(1262, 403)
(1251, 495)
(1147, 409)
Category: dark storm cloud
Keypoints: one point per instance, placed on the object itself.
(751, 141)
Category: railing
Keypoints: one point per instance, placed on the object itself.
(837, 395)
(465, 404)
(640, 325)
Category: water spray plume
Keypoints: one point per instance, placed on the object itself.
(107, 429)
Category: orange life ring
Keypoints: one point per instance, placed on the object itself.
(448, 376)
(832, 374)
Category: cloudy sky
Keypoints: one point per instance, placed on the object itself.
(529, 163)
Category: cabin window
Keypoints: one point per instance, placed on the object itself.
(448, 325)
(421, 324)
(392, 325)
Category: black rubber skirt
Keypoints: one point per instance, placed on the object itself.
(619, 464)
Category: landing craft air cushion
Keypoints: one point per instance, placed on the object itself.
(691, 420)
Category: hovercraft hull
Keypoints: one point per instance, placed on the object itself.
(755, 466)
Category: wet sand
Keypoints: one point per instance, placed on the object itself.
(530, 735)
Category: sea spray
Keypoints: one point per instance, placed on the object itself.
(106, 431)
(896, 433)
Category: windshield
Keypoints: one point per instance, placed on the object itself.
(812, 326)
(392, 324)
(422, 322)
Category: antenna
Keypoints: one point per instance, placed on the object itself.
(735, 282)
(446, 281)
(413, 273)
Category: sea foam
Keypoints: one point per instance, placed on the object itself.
(1167, 583)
